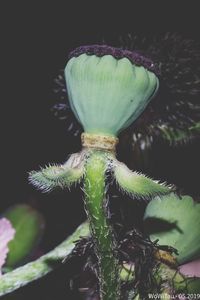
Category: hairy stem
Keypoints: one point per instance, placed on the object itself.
(96, 208)
(40, 267)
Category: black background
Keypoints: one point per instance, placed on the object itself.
(35, 41)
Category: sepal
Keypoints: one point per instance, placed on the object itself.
(59, 176)
(136, 184)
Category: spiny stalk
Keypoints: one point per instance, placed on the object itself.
(105, 243)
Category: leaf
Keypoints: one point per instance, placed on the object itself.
(29, 226)
(175, 222)
(193, 285)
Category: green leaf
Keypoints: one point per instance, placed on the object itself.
(136, 184)
(29, 226)
(175, 222)
(193, 285)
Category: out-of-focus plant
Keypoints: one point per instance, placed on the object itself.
(29, 226)
(175, 222)
(174, 113)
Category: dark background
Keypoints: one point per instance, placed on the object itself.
(35, 41)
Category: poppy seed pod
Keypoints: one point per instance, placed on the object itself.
(109, 88)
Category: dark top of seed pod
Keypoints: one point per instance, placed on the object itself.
(101, 50)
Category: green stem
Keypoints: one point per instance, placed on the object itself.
(40, 267)
(96, 208)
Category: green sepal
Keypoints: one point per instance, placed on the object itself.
(178, 224)
(59, 176)
(29, 225)
(136, 184)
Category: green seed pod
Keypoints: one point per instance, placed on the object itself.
(175, 222)
(109, 88)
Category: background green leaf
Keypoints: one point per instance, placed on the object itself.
(175, 222)
(29, 225)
